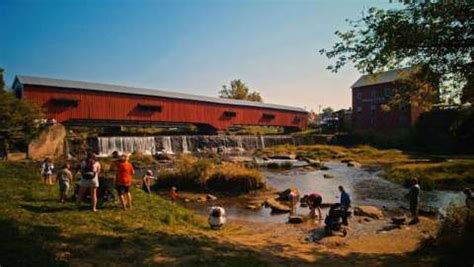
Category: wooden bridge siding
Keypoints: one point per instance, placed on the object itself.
(116, 106)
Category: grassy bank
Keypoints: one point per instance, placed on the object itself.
(200, 174)
(38, 231)
(433, 172)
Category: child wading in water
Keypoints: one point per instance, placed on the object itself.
(173, 194)
(64, 180)
(147, 181)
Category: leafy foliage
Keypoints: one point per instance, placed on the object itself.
(19, 118)
(437, 36)
(239, 90)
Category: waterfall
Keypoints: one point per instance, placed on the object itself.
(167, 148)
(262, 140)
(145, 145)
(185, 144)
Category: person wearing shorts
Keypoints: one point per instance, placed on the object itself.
(314, 201)
(123, 181)
(64, 181)
(90, 170)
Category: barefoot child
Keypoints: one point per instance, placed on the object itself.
(173, 194)
(147, 181)
(47, 171)
(64, 180)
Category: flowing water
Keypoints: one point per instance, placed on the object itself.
(365, 188)
(196, 143)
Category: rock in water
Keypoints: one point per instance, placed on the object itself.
(369, 211)
(211, 197)
(354, 164)
(399, 220)
(276, 206)
(324, 168)
(296, 219)
(328, 176)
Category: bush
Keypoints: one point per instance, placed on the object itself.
(191, 173)
(455, 238)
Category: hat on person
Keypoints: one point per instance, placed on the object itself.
(149, 172)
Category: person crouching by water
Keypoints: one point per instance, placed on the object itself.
(414, 199)
(147, 181)
(47, 171)
(314, 201)
(217, 217)
(123, 181)
(345, 202)
(90, 171)
(64, 181)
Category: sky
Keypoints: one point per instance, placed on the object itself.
(185, 46)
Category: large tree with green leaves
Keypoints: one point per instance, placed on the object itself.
(437, 38)
(19, 119)
(239, 90)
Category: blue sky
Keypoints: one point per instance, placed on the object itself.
(184, 46)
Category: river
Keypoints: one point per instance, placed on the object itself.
(365, 187)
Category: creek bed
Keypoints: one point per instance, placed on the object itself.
(365, 187)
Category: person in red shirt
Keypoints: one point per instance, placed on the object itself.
(173, 194)
(123, 181)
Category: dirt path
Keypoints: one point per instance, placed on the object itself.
(373, 242)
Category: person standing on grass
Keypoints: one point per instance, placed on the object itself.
(147, 181)
(47, 171)
(90, 170)
(414, 200)
(173, 194)
(64, 180)
(123, 181)
(345, 204)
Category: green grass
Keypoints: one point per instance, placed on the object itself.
(453, 174)
(37, 230)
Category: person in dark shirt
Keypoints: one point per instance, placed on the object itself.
(314, 201)
(345, 204)
(414, 200)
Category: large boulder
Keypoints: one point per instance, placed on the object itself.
(369, 211)
(276, 206)
(50, 143)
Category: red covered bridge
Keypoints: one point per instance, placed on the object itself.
(84, 103)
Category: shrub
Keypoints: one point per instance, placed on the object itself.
(455, 237)
(195, 174)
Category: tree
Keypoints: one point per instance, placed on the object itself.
(436, 37)
(19, 119)
(327, 112)
(239, 90)
(2, 82)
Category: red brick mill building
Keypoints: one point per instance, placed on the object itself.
(369, 93)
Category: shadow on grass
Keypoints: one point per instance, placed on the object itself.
(46, 209)
(19, 248)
